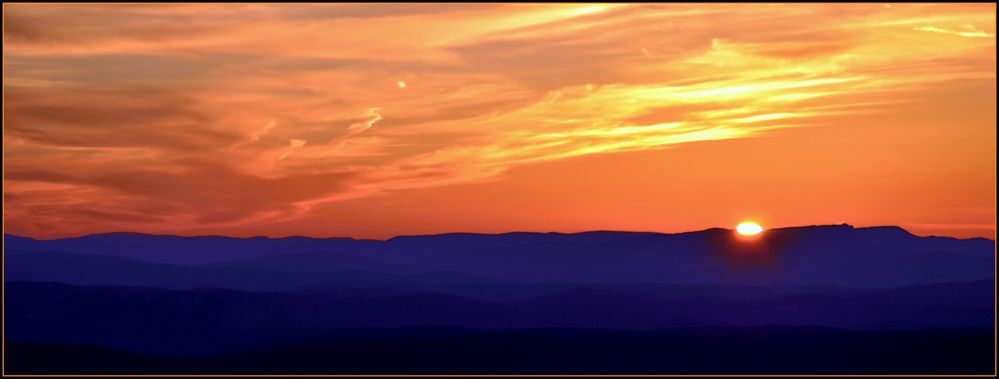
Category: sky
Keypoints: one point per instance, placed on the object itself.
(377, 120)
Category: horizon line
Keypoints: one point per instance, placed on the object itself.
(481, 233)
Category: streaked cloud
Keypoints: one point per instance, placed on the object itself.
(968, 31)
(169, 117)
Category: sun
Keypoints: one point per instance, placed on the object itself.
(749, 228)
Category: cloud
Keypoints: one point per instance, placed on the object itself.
(360, 127)
(197, 192)
(179, 116)
(969, 31)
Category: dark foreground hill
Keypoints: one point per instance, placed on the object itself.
(808, 300)
(430, 350)
(215, 321)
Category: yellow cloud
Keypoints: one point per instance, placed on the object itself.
(286, 95)
(964, 33)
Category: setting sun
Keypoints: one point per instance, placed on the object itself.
(430, 180)
(749, 228)
(433, 118)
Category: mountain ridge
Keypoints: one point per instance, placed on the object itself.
(839, 255)
(517, 232)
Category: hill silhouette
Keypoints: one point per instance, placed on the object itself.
(810, 300)
(837, 255)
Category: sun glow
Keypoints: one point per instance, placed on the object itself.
(471, 117)
(749, 228)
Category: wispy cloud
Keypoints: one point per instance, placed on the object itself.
(165, 117)
(968, 31)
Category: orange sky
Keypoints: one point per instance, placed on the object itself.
(379, 120)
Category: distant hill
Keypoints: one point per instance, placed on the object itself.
(837, 255)
(818, 299)
(178, 249)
